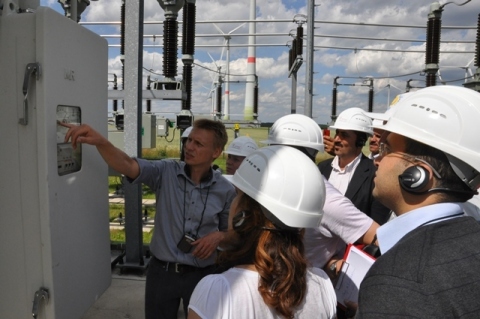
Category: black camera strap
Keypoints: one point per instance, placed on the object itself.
(204, 206)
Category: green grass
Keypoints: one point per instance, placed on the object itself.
(118, 236)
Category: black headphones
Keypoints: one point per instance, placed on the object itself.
(238, 219)
(414, 179)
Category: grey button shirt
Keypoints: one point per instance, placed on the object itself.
(179, 207)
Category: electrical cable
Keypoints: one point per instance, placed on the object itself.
(462, 79)
(150, 71)
(173, 137)
(216, 71)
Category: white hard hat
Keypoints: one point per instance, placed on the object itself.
(187, 131)
(446, 118)
(242, 146)
(285, 182)
(354, 119)
(228, 177)
(400, 97)
(296, 130)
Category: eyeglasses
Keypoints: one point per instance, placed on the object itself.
(385, 150)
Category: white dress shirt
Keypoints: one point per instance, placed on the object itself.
(340, 178)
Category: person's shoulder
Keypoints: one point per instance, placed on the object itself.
(223, 279)
(326, 163)
(365, 160)
(222, 182)
(318, 273)
(367, 165)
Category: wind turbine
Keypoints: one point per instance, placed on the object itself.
(227, 37)
(468, 71)
(217, 88)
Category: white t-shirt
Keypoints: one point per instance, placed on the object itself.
(342, 223)
(234, 295)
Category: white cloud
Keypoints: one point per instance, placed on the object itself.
(348, 64)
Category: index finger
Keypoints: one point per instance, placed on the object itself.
(69, 133)
(69, 125)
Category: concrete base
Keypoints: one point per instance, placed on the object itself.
(124, 299)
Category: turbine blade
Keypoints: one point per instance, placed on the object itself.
(237, 28)
(219, 30)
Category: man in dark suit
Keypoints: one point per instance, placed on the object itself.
(428, 166)
(350, 171)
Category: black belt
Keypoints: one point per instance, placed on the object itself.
(177, 267)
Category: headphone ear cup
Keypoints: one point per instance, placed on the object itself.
(238, 219)
(414, 179)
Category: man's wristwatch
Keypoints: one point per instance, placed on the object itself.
(333, 267)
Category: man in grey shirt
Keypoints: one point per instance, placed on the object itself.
(191, 216)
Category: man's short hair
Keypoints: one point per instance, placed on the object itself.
(438, 160)
(218, 129)
(361, 139)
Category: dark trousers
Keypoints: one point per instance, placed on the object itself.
(165, 288)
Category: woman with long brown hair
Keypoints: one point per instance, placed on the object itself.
(267, 274)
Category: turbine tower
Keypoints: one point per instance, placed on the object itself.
(248, 112)
(226, 109)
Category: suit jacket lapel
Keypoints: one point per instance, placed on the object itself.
(362, 172)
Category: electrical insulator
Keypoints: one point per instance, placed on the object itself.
(188, 50)
(170, 33)
(432, 51)
(149, 102)
(293, 56)
(187, 79)
(115, 87)
(433, 40)
(477, 46)
(188, 32)
(370, 99)
(218, 95)
(334, 102)
(290, 59)
(299, 48)
(122, 44)
(255, 100)
(430, 79)
(122, 30)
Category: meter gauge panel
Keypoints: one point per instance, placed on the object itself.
(69, 160)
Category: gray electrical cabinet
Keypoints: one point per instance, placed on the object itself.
(149, 138)
(162, 126)
(149, 131)
(54, 233)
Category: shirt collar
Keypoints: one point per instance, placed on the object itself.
(390, 233)
(350, 166)
(183, 170)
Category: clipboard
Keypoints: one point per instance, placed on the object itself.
(356, 265)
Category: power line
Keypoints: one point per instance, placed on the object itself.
(315, 46)
(114, 36)
(291, 21)
(379, 77)
(386, 39)
(387, 50)
(217, 72)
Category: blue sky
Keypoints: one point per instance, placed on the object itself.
(351, 65)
